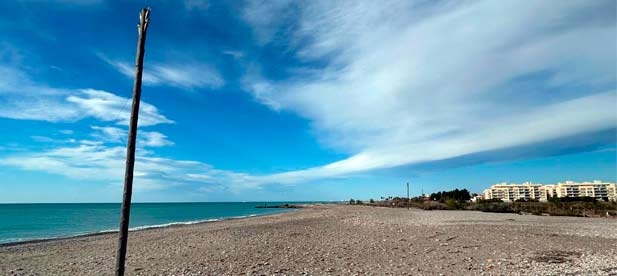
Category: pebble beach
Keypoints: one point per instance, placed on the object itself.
(340, 240)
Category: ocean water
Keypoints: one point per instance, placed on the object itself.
(23, 222)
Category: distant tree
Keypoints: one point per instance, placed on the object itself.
(352, 201)
(359, 202)
(456, 194)
(453, 204)
(371, 201)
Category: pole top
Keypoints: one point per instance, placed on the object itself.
(144, 18)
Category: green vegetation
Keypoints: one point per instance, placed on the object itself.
(556, 208)
(573, 199)
(493, 207)
(453, 204)
(456, 194)
(492, 200)
(526, 200)
(355, 202)
(459, 200)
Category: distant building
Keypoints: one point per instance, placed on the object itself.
(512, 192)
(477, 198)
(597, 189)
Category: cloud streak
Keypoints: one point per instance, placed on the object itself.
(406, 82)
(23, 99)
(388, 83)
(185, 76)
(118, 135)
(95, 161)
(109, 107)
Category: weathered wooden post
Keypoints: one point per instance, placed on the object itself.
(408, 199)
(142, 27)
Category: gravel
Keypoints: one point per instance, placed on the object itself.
(341, 240)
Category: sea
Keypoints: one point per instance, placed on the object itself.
(27, 222)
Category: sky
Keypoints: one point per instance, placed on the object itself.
(304, 100)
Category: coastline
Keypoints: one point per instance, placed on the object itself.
(340, 240)
(141, 228)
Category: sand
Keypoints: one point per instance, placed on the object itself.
(341, 240)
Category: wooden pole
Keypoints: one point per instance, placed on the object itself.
(142, 27)
(408, 199)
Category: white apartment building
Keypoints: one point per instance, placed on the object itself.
(511, 192)
(596, 188)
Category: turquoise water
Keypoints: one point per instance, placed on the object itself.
(23, 222)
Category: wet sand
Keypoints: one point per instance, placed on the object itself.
(340, 240)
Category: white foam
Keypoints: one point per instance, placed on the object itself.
(171, 224)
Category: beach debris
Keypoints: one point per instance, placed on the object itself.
(556, 256)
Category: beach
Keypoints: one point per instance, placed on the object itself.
(340, 240)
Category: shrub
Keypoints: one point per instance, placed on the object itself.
(495, 207)
(453, 204)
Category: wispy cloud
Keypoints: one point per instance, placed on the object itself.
(407, 82)
(268, 17)
(119, 135)
(23, 99)
(109, 107)
(183, 75)
(109, 134)
(234, 54)
(95, 161)
(155, 139)
(389, 83)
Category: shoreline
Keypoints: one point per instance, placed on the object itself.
(340, 240)
(144, 228)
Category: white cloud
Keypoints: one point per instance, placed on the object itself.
(67, 131)
(409, 82)
(234, 54)
(404, 82)
(94, 161)
(267, 18)
(117, 135)
(155, 139)
(23, 99)
(183, 75)
(109, 134)
(73, 105)
(109, 107)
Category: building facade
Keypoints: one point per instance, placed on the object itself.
(512, 192)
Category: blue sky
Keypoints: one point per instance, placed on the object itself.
(304, 100)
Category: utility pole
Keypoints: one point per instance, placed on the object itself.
(408, 199)
(142, 27)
